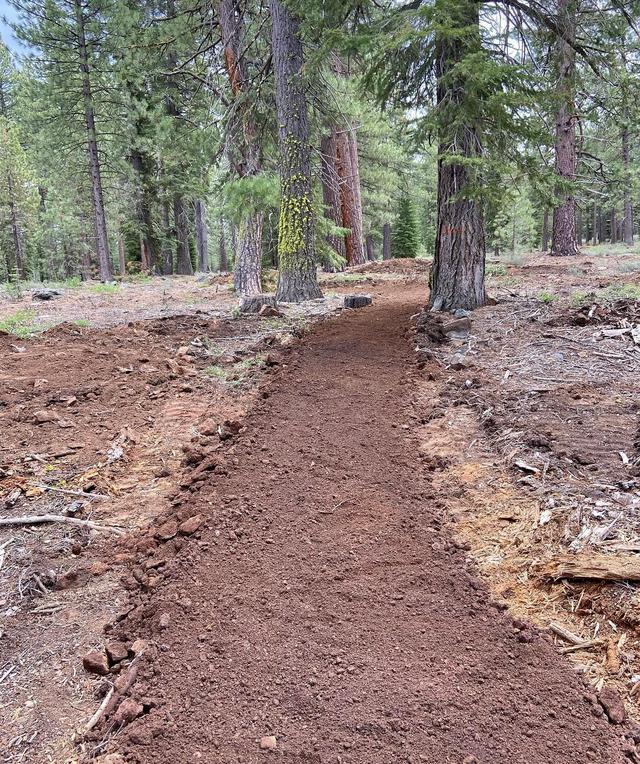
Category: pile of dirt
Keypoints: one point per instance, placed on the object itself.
(398, 265)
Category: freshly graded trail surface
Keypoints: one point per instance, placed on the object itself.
(327, 605)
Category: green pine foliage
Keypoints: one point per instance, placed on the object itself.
(406, 231)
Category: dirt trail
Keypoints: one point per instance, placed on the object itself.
(327, 605)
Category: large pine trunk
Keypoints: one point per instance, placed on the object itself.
(457, 277)
(181, 225)
(243, 145)
(331, 190)
(545, 231)
(297, 279)
(628, 206)
(386, 241)
(371, 250)
(564, 241)
(202, 238)
(97, 199)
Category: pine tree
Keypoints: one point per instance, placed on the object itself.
(406, 233)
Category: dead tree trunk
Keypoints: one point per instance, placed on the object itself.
(457, 277)
(386, 241)
(202, 237)
(564, 240)
(243, 145)
(181, 227)
(297, 279)
(99, 221)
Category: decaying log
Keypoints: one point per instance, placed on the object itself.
(597, 567)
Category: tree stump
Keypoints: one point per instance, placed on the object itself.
(357, 300)
(252, 303)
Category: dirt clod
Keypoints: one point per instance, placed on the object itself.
(613, 705)
(116, 651)
(127, 711)
(190, 525)
(167, 531)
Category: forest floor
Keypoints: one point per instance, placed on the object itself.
(337, 540)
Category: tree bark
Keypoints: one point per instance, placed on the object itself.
(223, 264)
(16, 232)
(594, 237)
(297, 279)
(371, 252)
(628, 206)
(578, 226)
(545, 231)
(358, 249)
(181, 225)
(564, 240)
(386, 241)
(202, 236)
(243, 146)
(331, 190)
(100, 221)
(457, 277)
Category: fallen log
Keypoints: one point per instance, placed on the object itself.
(595, 567)
(353, 301)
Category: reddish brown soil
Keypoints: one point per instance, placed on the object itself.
(325, 602)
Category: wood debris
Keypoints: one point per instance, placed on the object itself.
(598, 567)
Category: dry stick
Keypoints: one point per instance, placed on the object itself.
(67, 491)
(565, 634)
(582, 646)
(35, 519)
(98, 714)
(3, 548)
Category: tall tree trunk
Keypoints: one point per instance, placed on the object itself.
(564, 240)
(594, 237)
(628, 206)
(331, 190)
(202, 237)
(386, 241)
(457, 276)
(545, 231)
(16, 231)
(100, 220)
(223, 264)
(357, 236)
(244, 145)
(297, 278)
(371, 252)
(181, 225)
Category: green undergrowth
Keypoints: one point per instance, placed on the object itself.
(608, 294)
(21, 324)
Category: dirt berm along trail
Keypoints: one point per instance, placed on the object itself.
(327, 604)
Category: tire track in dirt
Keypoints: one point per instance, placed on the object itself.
(326, 605)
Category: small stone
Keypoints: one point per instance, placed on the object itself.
(613, 705)
(95, 662)
(268, 743)
(139, 646)
(110, 758)
(461, 313)
(167, 531)
(458, 362)
(127, 711)
(191, 525)
(165, 620)
(287, 340)
(116, 651)
(41, 417)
